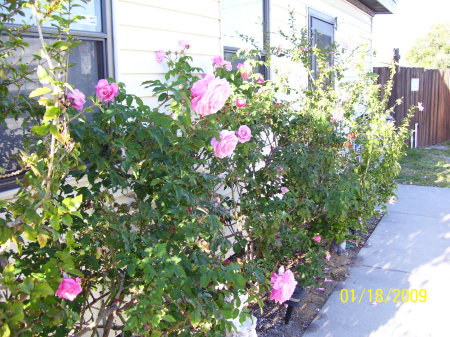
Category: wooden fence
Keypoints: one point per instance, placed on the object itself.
(432, 89)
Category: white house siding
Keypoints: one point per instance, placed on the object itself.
(145, 26)
(354, 27)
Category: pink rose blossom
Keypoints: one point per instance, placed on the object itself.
(227, 65)
(420, 106)
(284, 190)
(200, 87)
(260, 80)
(241, 102)
(105, 91)
(217, 200)
(209, 95)
(283, 286)
(69, 288)
(184, 44)
(244, 70)
(336, 116)
(244, 134)
(317, 238)
(218, 61)
(226, 145)
(160, 55)
(77, 99)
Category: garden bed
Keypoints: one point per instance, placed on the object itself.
(271, 322)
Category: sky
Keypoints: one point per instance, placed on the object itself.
(411, 20)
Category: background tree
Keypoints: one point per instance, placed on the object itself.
(432, 50)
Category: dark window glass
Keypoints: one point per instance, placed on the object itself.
(89, 65)
(321, 29)
(84, 74)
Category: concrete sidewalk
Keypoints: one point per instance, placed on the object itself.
(409, 249)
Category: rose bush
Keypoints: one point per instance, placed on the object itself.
(146, 221)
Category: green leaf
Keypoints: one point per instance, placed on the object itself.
(4, 331)
(67, 220)
(155, 181)
(62, 45)
(29, 233)
(169, 318)
(72, 204)
(55, 222)
(27, 285)
(42, 75)
(43, 290)
(41, 130)
(42, 240)
(40, 91)
(195, 316)
(70, 240)
(51, 113)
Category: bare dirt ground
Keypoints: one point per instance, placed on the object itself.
(271, 322)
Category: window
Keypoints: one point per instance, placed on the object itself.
(321, 28)
(91, 60)
(244, 17)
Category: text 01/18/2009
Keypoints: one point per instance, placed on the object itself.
(382, 296)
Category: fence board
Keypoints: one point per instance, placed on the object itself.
(434, 93)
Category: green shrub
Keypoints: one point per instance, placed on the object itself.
(194, 229)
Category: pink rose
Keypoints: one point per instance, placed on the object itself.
(227, 65)
(184, 44)
(217, 61)
(209, 95)
(284, 190)
(283, 286)
(317, 238)
(226, 145)
(241, 102)
(160, 55)
(244, 70)
(77, 99)
(244, 134)
(260, 80)
(217, 200)
(201, 86)
(69, 288)
(105, 91)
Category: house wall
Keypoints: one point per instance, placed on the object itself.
(353, 27)
(142, 27)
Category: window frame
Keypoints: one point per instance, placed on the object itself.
(332, 21)
(105, 62)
